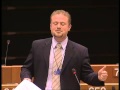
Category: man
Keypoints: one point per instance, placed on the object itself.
(74, 59)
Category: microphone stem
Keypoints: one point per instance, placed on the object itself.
(77, 79)
(6, 54)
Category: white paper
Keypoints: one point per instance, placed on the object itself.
(27, 85)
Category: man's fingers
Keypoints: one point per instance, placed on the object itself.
(102, 69)
(104, 72)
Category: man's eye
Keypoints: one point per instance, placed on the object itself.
(62, 23)
(55, 23)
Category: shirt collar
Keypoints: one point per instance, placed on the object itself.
(63, 43)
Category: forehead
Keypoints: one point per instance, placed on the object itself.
(59, 17)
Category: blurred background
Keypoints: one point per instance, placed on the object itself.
(95, 24)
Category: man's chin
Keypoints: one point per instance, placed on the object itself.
(58, 36)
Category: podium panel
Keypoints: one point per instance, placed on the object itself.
(9, 86)
(16, 74)
(6, 74)
(11, 74)
(108, 86)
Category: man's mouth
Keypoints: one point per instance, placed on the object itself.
(58, 31)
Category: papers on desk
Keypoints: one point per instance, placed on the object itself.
(27, 85)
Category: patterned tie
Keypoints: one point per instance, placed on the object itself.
(57, 68)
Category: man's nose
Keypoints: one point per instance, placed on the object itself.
(58, 26)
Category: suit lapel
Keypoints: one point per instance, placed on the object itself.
(68, 54)
(47, 48)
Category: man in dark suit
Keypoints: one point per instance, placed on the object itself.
(75, 59)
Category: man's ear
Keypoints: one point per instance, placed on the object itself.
(70, 27)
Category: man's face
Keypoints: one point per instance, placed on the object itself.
(59, 26)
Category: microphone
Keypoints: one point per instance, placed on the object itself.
(74, 72)
(8, 42)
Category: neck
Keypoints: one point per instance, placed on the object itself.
(59, 39)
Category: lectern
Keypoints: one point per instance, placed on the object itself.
(11, 77)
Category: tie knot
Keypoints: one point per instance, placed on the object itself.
(59, 46)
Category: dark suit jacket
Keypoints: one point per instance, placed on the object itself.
(76, 56)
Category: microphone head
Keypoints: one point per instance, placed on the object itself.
(8, 41)
(74, 71)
